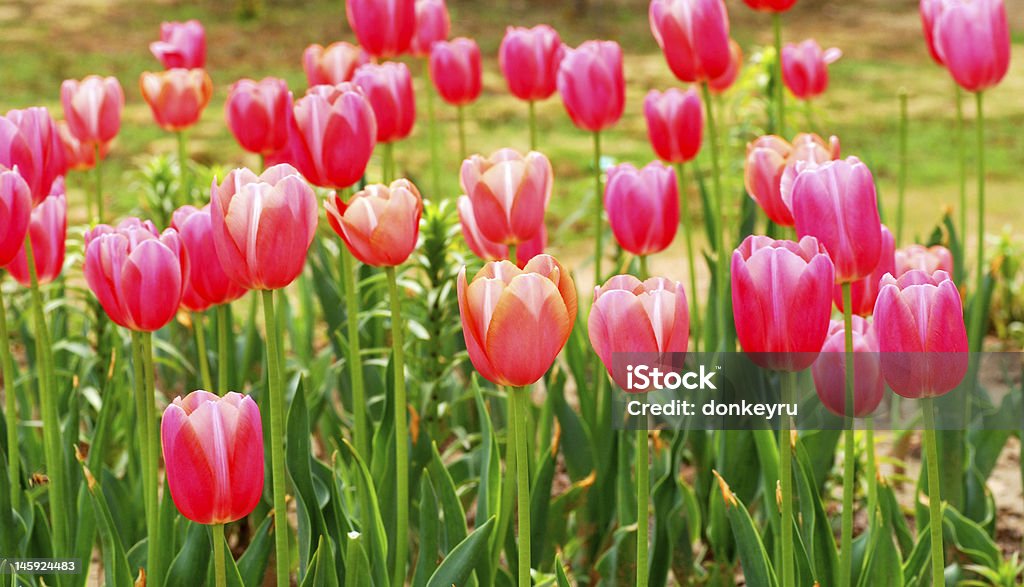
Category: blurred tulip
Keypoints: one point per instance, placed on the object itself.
(332, 136)
(181, 44)
(213, 454)
(491, 251)
(836, 203)
(516, 321)
(919, 322)
(972, 39)
(509, 194)
(592, 84)
(379, 224)
(772, 164)
(805, 68)
(388, 88)
(432, 24)
(642, 206)
(456, 71)
(137, 274)
(384, 29)
(694, 36)
(49, 229)
(263, 225)
(920, 257)
(770, 5)
(722, 83)
(78, 156)
(829, 370)
(930, 11)
(675, 123)
(30, 142)
(93, 108)
(864, 291)
(15, 214)
(529, 60)
(208, 283)
(177, 97)
(258, 114)
(333, 64)
(781, 297)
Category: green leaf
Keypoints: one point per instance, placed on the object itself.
(540, 501)
(370, 523)
(451, 508)
(115, 561)
(191, 564)
(252, 565)
(456, 568)
(357, 566)
(322, 571)
(757, 568)
(429, 528)
(970, 538)
(560, 575)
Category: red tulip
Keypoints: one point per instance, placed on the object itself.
(332, 65)
(509, 193)
(15, 214)
(694, 35)
(675, 123)
(781, 299)
(78, 156)
(332, 136)
(490, 250)
(529, 60)
(455, 70)
(920, 257)
(836, 204)
(829, 370)
(633, 316)
(770, 5)
(30, 142)
(388, 88)
(921, 334)
(805, 68)
(49, 229)
(137, 274)
(864, 291)
(258, 114)
(972, 38)
(263, 225)
(379, 224)
(177, 97)
(516, 321)
(432, 25)
(208, 283)
(93, 108)
(592, 84)
(772, 165)
(642, 206)
(930, 12)
(213, 454)
(722, 83)
(384, 29)
(181, 44)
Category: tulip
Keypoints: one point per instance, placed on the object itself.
(455, 70)
(384, 29)
(30, 142)
(208, 282)
(432, 25)
(836, 203)
(805, 68)
(48, 229)
(379, 224)
(829, 370)
(93, 108)
(78, 156)
(333, 64)
(258, 114)
(864, 292)
(675, 124)
(332, 136)
(972, 39)
(927, 259)
(509, 194)
(177, 97)
(770, 5)
(263, 225)
(213, 453)
(529, 60)
(516, 321)
(642, 206)
(138, 274)
(930, 11)
(781, 300)
(492, 251)
(772, 164)
(592, 84)
(694, 35)
(15, 215)
(388, 88)
(722, 83)
(181, 44)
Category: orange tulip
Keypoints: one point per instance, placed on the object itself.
(177, 97)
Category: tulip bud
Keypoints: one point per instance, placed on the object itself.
(333, 135)
(388, 88)
(384, 29)
(675, 124)
(177, 97)
(509, 193)
(48, 229)
(258, 114)
(15, 214)
(181, 44)
(805, 68)
(642, 206)
(829, 370)
(208, 283)
(491, 251)
(529, 60)
(864, 291)
(694, 36)
(771, 167)
(592, 84)
(380, 224)
(30, 143)
(432, 25)
(972, 39)
(455, 70)
(93, 108)
(332, 65)
(927, 259)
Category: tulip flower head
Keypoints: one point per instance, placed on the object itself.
(388, 88)
(922, 258)
(48, 229)
(592, 84)
(455, 70)
(15, 214)
(384, 29)
(78, 156)
(258, 114)
(722, 83)
(930, 11)
(432, 25)
(509, 193)
(333, 135)
(177, 97)
(30, 142)
(694, 36)
(491, 251)
(333, 64)
(675, 123)
(770, 5)
(380, 224)
(771, 167)
(642, 206)
(829, 370)
(208, 283)
(805, 68)
(93, 108)
(972, 38)
(181, 44)
(530, 59)
(864, 291)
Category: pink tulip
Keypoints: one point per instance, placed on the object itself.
(921, 334)
(930, 11)
(258, 114)
(633, 316)
(772, 164)
(384, 29)
(15, 214)
(213, 453)
(432, 25)
(922, 258)
(332, 136)
(781, 299)
(379, 224)
(864, 291)
(972, 39)
(181, 44)
(263, 225)
(642, 206)
(456, 71)
(177, 97)
(675, 124)
(30, 142)
(78, 156)
(722, 83)
(49, 229)
(492, 251)
(208, 283)
(93, 108)
(836, 203)
(770, 5)
(694, 36)
(592, 84)
(137, 274)
(529, 60)
(516, 321)
(509, 193)
(388, 88)
(333, 64)
(829, 370)
(805, 68)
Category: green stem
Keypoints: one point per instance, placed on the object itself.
(901, 202)
(462, 131)
(520, 404)
(355, 368)
(435, 158)
(223, 348)
(154, 542)
(203, 358)
(10, 409)
(275, 384)
(99, 186)
(508, 489)
(691, 265)
(978, 318)
(183, 178)
(533, 125)
(961, 147)
(934, 500)
(143, 417)
(780, 92)
(401, 430)
(598, 209)
(849, 472)
(789, 383)
(643, 498)
(722, 269)
(869, 439)
(643, 267)
(388, 163)
(219, 563)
